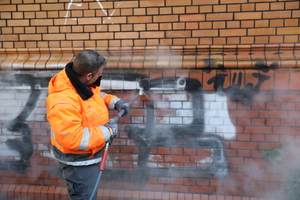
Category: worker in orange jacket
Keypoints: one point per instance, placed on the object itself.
(77, 111)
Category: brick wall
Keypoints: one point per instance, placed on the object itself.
(41, 23)
(219, 114)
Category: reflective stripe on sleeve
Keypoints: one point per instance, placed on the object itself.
(113, 102)
(102, 94)
(106, 132)
(53, 135)
(85, 139)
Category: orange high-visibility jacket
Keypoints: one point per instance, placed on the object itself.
(78, 131)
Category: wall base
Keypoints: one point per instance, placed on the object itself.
(38, 192)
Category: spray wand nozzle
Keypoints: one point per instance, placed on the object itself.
(120, 114)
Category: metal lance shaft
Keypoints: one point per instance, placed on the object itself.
(105, 150)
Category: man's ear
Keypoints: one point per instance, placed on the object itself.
(89, 76)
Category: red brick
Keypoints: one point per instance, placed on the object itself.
(139, 19)
(201, 2)
(8, 37)
(126, 4)
(295, 13)
(178, 2)
(271, 186)
(179, 159)
(242, 145)
(243, 153)
(205, 33)
(7, 8)
(24, 192)
(101, 36)
(114, 20)
(4, 190)
(247, 15)
(126, 35)
(50, 192)
(65, 22)
(73, 7)
(54, 37)
(258, 129)
(152, 34)
(29, 7)
(233, 32)
(176, 34)
(89, 20)
(64, 193)
(77, 36)
(187, 151)
(17, 192)
(165, 11)
(262, 31)
(178, 151)
(11, 191)
(245, 114)
(30, 192)
(286, 130)
(198, 189)
(163, 150)
(258, 122)
(287, 138)
(232, 1)
(288, 106)
(288, 30)
(165, 18)
(243, 137)
(52, 6)
(219, 16)
(176, 188)
(281, 80)
(258, 138)
(190, 18)
(277, 14)
(12, 180)
(23, 22)
(273, 114)
(152, 3)
(57, 193)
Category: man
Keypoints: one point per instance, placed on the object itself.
(78, 114)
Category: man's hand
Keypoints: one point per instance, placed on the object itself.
(121, 104)
(113, 128)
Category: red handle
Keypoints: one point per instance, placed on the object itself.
(104, 157)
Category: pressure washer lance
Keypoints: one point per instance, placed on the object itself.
(105, 150)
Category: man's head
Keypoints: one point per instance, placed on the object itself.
(89, 64)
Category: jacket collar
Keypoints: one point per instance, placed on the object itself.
(82, 90)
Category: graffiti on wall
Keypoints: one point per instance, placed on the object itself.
(106, 20)
(234, 91)
(23, 145)
(180, 136)
(204, 124)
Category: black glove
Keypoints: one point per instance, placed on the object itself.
(121, 104)
(113, 128)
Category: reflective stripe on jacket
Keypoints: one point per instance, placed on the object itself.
(78, 130)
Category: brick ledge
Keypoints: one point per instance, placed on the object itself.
(188, 57)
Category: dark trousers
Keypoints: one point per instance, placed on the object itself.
(80, 180)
